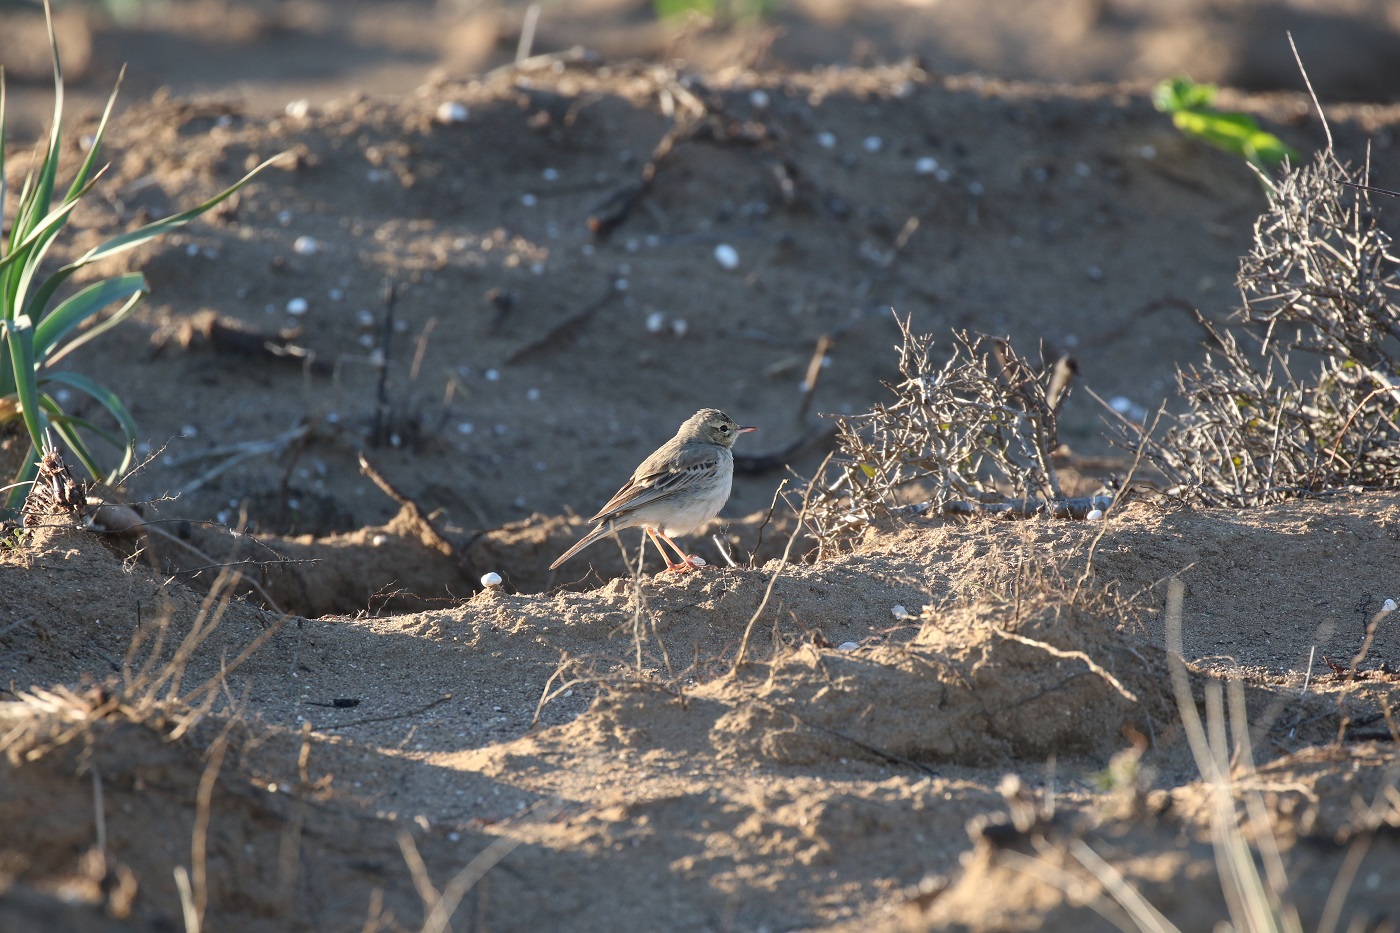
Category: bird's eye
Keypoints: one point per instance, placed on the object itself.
(724, 428)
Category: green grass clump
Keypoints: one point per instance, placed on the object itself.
(39, 326)
(1190, 105)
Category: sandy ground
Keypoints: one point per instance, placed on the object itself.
(586, 749)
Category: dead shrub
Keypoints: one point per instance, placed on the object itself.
(1320, 281)
(976, 433)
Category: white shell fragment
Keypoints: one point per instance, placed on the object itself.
(697, 561)
(491, 579)
(727, 256)
(1094, 515)
(1388, 606)
(926, 165)
(656, 322)
(452, 111)
(900, 613)
(297, 306)
(305, 245)
(298, 108)
(847, 646)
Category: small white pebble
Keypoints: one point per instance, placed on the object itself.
(656, 322)
(899, 612)
(378, 540)
(758, 99)
(465, 427)
(452, 111)
(926, 165)
(297, 306)
(298, 108)
(1388, 606)
(697, 561)
(550, 174)
(679, 327)
(493, 375)
(305, 245)
(364, 318)
(491, 579)
(189, 430)
(529, 200)
(1121, 404)
(727, 256)
(847, 646)
(826, 140)
(1094, 515)
(873, 144)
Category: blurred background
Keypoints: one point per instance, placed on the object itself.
(267, 53)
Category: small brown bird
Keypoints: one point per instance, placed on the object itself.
(677, 489)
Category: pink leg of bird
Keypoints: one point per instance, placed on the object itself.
(688, 562)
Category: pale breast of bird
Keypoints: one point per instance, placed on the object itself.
(706, 501)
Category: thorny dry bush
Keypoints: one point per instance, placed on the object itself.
(976, 433)
(1320, 279)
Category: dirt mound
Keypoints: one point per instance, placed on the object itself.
(978, 686)
(1058, 876)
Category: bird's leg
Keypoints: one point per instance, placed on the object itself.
(683, 566)
(688, 561)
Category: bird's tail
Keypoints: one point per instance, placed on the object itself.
(602, 531)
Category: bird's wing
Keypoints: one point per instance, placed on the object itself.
(660, 477)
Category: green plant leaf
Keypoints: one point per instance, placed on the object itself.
(140, 235)
(66, 427)
(85, 304)
(108, 400)
(19, 337)
(1181, 93)
(19, 488)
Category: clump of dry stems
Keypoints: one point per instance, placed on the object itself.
(976, 432)
(1263, 422)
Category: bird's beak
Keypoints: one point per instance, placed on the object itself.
(747, 429)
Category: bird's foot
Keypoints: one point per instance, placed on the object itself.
(692, 562)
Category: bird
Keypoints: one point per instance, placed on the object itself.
(680, 487)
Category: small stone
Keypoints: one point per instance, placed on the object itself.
(826, 140)
(656, 322)
(727, 256)
(452, 111)
(1094, 515)
(491, 579)
(758, 99)
(873, 144)
(305, 245)
(926, 165)
(297, 306)
(900, 613)
(1388, 606)
(847, 646)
